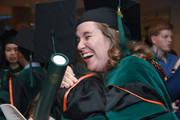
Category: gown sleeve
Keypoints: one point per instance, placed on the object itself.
(85, 100)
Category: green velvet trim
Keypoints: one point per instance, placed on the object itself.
(167, 116)
(133, 69)
(25, 78)
(5, 95)
(138, 111)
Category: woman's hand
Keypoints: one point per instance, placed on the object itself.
(175, 105)
(69, 78)
(176, 66)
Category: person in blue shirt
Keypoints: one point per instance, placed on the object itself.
(160, 40)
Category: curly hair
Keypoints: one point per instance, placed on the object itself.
(115, 53)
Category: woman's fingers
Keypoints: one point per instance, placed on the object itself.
(175, 105)
(69, 78)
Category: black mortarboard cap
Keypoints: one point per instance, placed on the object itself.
(24, 38)
(102, 15)
(8, 37)
(130, 10)
(55, 24)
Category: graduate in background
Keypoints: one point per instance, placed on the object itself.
(30, 77)
(9, 52)
(31, 70)
(9, 65)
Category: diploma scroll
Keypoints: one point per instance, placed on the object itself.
(54, 76)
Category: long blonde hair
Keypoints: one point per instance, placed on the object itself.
(115, 54)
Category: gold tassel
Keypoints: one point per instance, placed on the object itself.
(120, 13)
(31, 57)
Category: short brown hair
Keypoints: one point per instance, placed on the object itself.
(156, 29)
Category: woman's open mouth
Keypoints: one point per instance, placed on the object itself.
(87, 56)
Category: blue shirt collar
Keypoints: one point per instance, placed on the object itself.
(34, 64)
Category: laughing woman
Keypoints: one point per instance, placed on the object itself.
(134, 79)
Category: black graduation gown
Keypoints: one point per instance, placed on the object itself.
(89, 99)
(86, 99)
